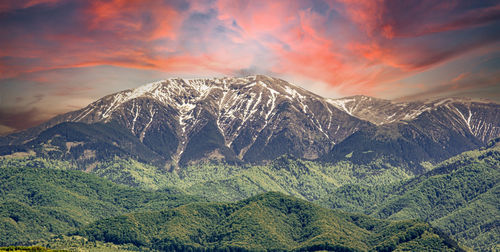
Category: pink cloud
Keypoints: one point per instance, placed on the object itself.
(460, 77)
(125, 18)
(370, 45)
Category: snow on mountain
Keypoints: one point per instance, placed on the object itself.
(258, 118)
(466, 113)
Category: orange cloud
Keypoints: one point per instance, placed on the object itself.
(460, 77)
(357, 46)
(126, 17)
(258, 17)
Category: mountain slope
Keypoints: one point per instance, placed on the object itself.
(412, 133)
(248, 119)
(265, 222)
(459, 196)
(38, 202)
(90, 143)
(303, 179)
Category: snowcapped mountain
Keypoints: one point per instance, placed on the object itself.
(247, 119)
(477, 117)
(414, 132)
(378, 111)
(251, 120)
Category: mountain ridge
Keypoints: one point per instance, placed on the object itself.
(256, 119)
(250, 114)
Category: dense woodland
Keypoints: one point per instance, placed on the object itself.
(267, 221)
(46, 199)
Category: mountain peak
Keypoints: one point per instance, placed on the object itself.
(250, 119)
(202, 85)
(253, 118)
(381, 111)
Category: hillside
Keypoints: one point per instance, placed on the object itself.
(226, 182)
(29, 249)
(460, 196)
(36, 203)
(265, 222)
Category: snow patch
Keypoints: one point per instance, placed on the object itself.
(341, 104)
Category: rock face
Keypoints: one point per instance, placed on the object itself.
(250, 119)
(479, 118)
(416, 131)
(256, 119)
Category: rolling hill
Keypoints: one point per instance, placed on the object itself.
(458, 196)
(270, 221)
(36, 203)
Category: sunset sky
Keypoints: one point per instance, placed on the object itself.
(60, 55)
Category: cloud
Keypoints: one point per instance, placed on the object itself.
(134, 19)
(18, 118)
(469, 19)
(354, 47)
(414, 18)
(460, 77)
(466, 84)
(11, 5)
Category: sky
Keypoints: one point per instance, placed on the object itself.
(60, 55)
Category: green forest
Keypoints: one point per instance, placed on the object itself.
(122, 202)
(271, 221)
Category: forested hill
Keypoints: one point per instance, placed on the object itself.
(460, 196)
(36, 203)
(270, 221)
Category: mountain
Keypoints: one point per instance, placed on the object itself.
(39, 202)
(415, 132)
(254, 120)
(248, 119)
(270, 221)
(227, 139)
(478, 116)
